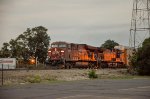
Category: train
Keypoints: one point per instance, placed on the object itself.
(71, 55)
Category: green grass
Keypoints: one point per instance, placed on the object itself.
(92, 74)
(33, 79)
(122, 77)
(141, 77)
(39, 79)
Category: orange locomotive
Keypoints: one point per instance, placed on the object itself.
(114, 58)
(68, 55)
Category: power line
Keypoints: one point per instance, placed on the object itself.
(140, 22)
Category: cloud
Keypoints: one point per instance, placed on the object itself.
(85, 21)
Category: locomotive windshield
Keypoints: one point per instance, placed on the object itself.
(62, 45)
(54, 45)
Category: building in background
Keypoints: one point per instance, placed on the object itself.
(8, 63)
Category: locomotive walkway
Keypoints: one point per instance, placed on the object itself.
(87, 89)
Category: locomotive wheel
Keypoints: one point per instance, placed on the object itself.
(68, 66)
(91, 65)
(60, 66)
(104, 65)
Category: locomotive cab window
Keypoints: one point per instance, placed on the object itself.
(118, 54)
(69, 46)
(62, 45)
(54, 45)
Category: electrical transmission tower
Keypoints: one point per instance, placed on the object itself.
(140, 22)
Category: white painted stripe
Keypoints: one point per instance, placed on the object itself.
(74, 96)
(143, 87)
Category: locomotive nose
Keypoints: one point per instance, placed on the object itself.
(55, 54)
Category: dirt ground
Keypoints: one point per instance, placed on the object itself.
(24, 76)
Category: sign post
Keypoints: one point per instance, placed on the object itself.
(2, 75)
(8, 63)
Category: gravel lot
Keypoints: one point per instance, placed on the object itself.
(83, 89)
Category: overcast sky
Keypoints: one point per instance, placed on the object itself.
(77, 21)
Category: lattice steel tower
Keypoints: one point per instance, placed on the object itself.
(140, 22)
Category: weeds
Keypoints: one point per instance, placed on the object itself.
(33, 79)
(50, 78)
(92, 74)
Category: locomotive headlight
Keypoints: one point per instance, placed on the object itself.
(49, 51)
(62, 51)
(32, 60)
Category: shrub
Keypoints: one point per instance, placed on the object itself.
(140, 61)
(92, 74)
(34, 79)
(50, 78)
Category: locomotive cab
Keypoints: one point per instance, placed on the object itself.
(57, 53)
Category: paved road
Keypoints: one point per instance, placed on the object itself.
(87, 89)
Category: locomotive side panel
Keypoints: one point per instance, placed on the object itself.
(71, 52)
(87, 54)
(115, 58)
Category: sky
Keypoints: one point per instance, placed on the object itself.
(77, 21)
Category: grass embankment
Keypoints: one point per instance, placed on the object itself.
(52, 76)
(42, 76)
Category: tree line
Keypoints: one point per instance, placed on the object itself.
(34, 42)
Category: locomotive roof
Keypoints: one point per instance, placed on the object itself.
(60, 42)
(87, 46)
(91, 47)
(63, 42)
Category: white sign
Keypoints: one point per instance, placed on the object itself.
(8, 63)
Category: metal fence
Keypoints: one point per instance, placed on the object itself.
(3, 69)
(2, 76)
(10, 75)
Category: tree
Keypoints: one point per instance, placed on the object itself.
(109, 44)
(5, 51)
(40, 40)
(33, 42)
(15, 48)
(141, 59)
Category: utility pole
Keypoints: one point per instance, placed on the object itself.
(2, 75)
(140, 23)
